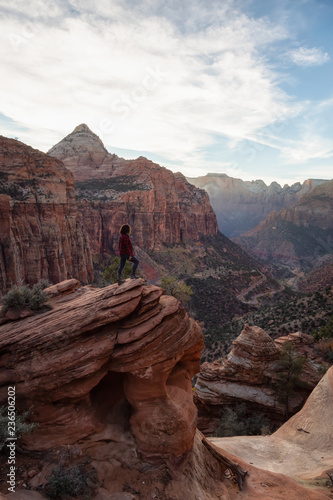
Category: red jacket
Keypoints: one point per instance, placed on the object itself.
(125, 245)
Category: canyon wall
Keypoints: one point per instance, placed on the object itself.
(41, 230)
(241, 205)
(300, 236)
(161, 207)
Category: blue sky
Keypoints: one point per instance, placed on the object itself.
(242, 87)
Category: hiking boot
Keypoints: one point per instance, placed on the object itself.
(120, 282)
(133, 277)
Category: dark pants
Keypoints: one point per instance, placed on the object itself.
(123, 259)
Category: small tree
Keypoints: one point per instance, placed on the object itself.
(325, 331)
(21, 426)
(292, 365)
(110, 273)
(177, 289)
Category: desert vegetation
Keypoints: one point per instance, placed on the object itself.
(22, 425)
(24, 297)
(241, 421)
(308, 313)
(109, 188)
(70, 478)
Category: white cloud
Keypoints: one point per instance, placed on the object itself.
(144, 83)
(165, 77)
(308, 57)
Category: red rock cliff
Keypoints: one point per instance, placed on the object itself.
(161, 206)
(41, 232)
(242, 205)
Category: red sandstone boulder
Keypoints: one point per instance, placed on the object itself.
(103, 354)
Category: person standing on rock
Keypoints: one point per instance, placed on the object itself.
(126, 252)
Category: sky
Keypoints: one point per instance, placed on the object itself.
(241, 87)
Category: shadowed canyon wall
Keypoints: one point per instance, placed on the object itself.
(41, 230)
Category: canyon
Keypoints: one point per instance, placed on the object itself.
(107, 373)
(241, 205)
(300, 236)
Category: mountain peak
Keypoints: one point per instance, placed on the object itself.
(82, 128)
(81, 141)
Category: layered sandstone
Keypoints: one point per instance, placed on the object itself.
(300, 236)
(162, 207)
(107, 375)
(248, 375)
(101, 355)
(241, 205)
(301, 448)
(41, 230)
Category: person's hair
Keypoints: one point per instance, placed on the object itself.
(125, 229)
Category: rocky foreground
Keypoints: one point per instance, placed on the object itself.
(107, 375)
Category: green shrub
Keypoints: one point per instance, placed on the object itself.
(110, 272)
(326, 332)
(239, 421)
(77, 481)
(21, 426)
(176, 288)
(288, 380)
(23, 297)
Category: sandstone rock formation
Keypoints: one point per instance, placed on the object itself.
(161, 206)
(301, 448)
(41, 231)
(299, 236)
(248, 374)
(242, 205)
(107, 375)
(99, 350)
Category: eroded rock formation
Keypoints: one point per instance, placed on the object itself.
(102, 353)
(249, 374)
(161, 206)
(41, 230)
(301, 448)
(107, 375)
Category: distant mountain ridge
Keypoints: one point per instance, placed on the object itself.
(298, 236)
(241, 205)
